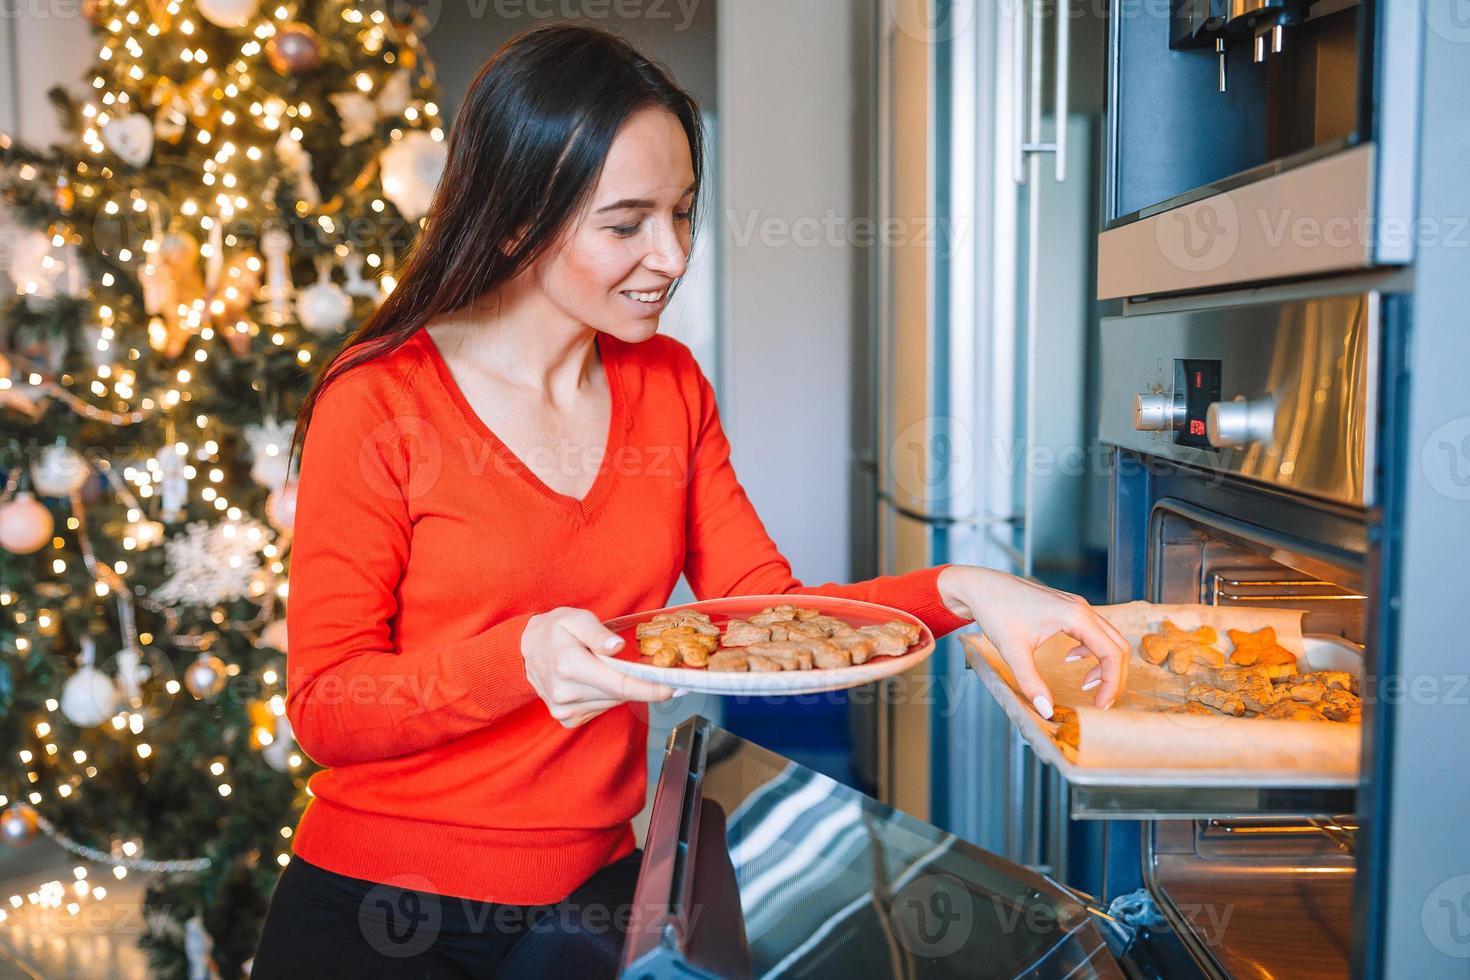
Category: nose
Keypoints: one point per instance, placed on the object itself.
(666, 252)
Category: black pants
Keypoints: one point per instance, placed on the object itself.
(321, 923)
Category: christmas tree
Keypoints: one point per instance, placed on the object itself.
(152, 358)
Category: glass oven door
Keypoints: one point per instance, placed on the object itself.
(755, 866)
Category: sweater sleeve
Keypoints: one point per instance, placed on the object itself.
(730, 553)
(352, 694)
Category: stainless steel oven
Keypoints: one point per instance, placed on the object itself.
(1243, 440)
(1277, 392)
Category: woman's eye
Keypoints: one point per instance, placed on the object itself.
(682, 215)
(623, 231)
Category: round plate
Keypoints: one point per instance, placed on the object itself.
(689, 679)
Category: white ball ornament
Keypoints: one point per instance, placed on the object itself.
(59, 472)
(281, 507)
(323, 307)
(206, 676)
(410, 170)
(25, 524)
(89, 696)
(228, 13)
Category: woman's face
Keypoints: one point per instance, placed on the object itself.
(613, 268)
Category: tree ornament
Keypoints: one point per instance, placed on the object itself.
(410, 170)
(25, 524)
(273, 636)
(294, 49)
(89, 696)
(237, 336)
(19, 393)
(277, 753)
(130, 137)
(212, 563)
(198, 950)
(59, 472)
(65, 197)
(356, 285)
(229, 14)
(143, 678)
(19, 824)
(323, 307)
(171, 279)
(173, 489)
(281, 507)
(270, 445)
(295, 160)
(235, 289)
(179, 103)
(206, 676)
(360, 112)
(275, 244)
(38, 267)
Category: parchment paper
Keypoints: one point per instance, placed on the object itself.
(1133, 735)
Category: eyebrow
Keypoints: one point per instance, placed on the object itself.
(635, 202)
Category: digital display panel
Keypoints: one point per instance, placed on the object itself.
(1199, 383)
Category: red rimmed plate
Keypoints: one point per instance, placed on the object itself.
(688, 679)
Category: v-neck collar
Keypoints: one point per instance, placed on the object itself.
(606, 471)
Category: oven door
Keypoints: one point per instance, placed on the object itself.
(755, 866)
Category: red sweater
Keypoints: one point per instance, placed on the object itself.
(422, 547)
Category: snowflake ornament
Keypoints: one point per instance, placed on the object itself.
(212, 563)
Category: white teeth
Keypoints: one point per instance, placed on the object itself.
(645, 297)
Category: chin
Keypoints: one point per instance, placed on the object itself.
(634, 331)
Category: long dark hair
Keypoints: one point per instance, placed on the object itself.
(525, 151)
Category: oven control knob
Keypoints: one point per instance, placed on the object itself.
(1240, 422)
(1153, 413)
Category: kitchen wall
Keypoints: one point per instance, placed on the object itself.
(41, 45)
(678, 33)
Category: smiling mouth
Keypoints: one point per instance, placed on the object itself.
(651, 298)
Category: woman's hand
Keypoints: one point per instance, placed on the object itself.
(558, 647)
(1018, 616)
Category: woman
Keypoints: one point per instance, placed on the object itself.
(506, 454)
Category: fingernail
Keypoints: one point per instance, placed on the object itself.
(1092, 683)
(679, 692)
(1043, 705)
(1110, 704)
(1072, 658)
(612, 642)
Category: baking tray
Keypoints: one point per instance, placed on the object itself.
(1160, 792)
